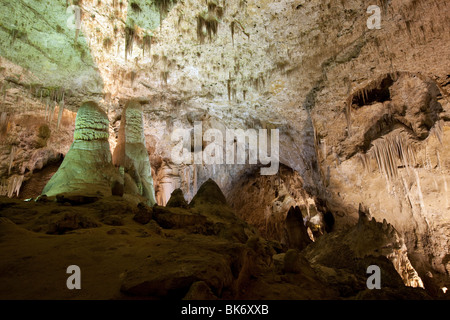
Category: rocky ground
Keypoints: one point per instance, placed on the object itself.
(190, 251)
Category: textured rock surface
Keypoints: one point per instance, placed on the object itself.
(367, 243)
(131, 153)
(127, 259)
(177, 200)
(268, 199)
(87, 168)
(296, 235)
(339, 93)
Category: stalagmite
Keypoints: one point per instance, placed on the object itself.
(132, 154)
(87, 168)
(166, 184)
(295, 233)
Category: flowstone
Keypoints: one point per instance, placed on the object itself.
(131, 154)
(87, 168)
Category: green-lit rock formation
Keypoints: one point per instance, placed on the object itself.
(132, 155)
(87, 168)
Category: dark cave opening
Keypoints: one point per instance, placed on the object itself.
(33, 187)
(269, 199)
(377, 91)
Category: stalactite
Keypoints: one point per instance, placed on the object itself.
(388, 150)
(47, 105)
(52, 111)
(5, 90)
(14, 185)
(428, 165)
(163, 7)
(11, 158)
(147, 44)
(438, 157)
(40, 92)
(348, 107)
(61, 110)
(437, 131)
(3, 123)
(208, 21)
(60, 113)
(229, 87)
(365, 161)
(130, 32)
(3, 187)
(232, 24)
(419, 193)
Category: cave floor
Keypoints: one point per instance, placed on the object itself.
(120, 258)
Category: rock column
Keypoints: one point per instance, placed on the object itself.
(132, 155)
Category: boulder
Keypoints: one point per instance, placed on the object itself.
(113, 220)
(75, 199)
(71, 221)
(144, 215)
(163, 276)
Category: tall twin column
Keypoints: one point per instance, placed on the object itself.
(88, 168)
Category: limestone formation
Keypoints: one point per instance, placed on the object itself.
(209, 193)
(177, 200)
(132, 155)
(366, 243)
(296, 234)
(87, 168)
(363, 116)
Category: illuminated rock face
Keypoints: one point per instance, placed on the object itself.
(132, 155)
(87, 168)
